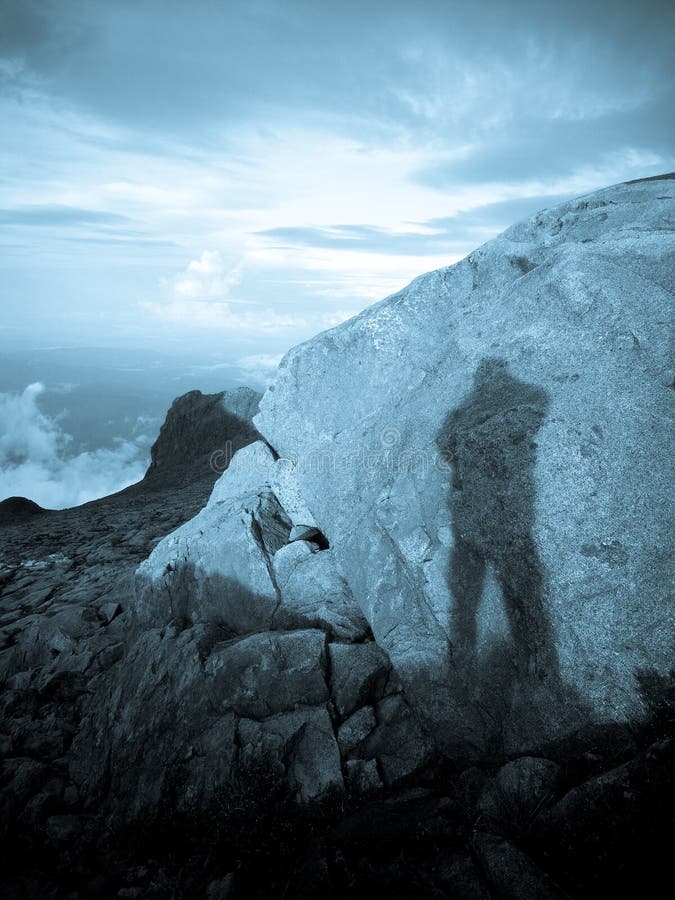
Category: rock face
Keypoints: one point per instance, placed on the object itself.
(290, 656)
(234, 563)
(487, 453)
(221, 659)
(465, 501)
(203, 428)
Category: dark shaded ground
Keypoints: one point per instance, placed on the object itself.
(599, 823)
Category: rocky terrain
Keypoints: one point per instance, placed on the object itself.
(415, 640)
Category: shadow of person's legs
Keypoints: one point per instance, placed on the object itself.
(490, 440)
(521, 581)
(466, 578)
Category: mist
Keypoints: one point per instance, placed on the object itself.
(38, 459)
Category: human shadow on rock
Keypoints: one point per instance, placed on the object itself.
(490, 441)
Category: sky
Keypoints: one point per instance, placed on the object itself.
(221, 180)
(212, 174)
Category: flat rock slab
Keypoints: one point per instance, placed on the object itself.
(299, 746)
(269, 673)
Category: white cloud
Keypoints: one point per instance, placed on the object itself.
(206, 278)
(24, 431)
(211, 314)
(199, 299)
(35, 461)
(260, 367)
(222, 186)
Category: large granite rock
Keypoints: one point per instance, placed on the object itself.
(235, 563)
(487, 453)
(290, 655)
(186, 713)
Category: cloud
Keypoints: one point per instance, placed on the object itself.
(260, 367)
(36, 459)
(350, 237)
(200, 299)
(206, 278)
(455, 234)
(210, 314)
(388, 61)
(324, 186)
(52, 215)
(548, 148)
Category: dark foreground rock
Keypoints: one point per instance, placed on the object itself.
(606, 835)
(203, 431)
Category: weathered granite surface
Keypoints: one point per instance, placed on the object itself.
(489, 454)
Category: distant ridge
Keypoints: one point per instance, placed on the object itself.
(15, 509)
(667, 176)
